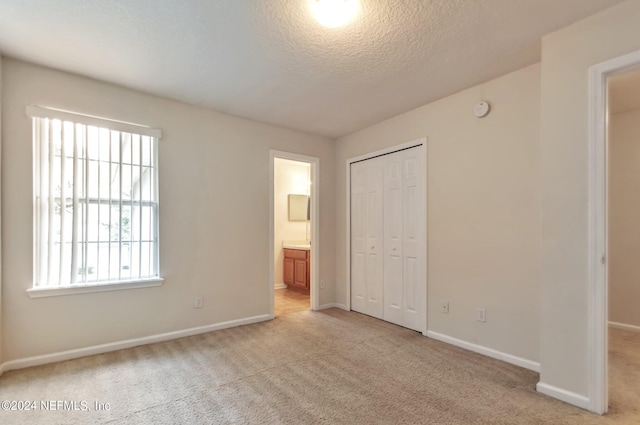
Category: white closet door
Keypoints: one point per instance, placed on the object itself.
(358, 236)
(404, 280)
(414, 240)
(388, 221)
(367, 237)
(393, 239)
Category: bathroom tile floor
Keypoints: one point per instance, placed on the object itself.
(288, 301)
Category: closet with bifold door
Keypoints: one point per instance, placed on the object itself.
(388, 237)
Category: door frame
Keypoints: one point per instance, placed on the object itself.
(315, 225)
(598, 227)
(422, 143)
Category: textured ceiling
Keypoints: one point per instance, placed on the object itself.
(269, 60)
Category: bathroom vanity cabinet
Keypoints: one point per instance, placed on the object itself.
(296, 274)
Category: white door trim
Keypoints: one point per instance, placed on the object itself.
(598, 216)
(414, 143)
(315, 225)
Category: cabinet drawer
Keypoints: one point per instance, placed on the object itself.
(298, 254)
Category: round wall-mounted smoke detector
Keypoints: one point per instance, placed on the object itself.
(481, 109)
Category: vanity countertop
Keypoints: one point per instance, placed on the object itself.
(304, 245)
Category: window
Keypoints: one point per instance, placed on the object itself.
(95, 201)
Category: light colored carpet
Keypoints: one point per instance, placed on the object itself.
(302, 368)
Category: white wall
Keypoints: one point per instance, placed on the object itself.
(483, 209)
(566, 58)
(624, 218)
(214, 217)
(291, 177)
(1, 240)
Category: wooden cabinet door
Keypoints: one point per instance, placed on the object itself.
(300, 275)
(288, 271)
(296, 270)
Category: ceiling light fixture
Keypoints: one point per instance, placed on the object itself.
(335, 13)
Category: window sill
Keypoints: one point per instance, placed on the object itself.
(94, 287)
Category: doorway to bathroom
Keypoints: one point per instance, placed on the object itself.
(293, 235)
(614, 322)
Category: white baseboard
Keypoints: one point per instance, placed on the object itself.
(563, 395)
(129, 343)
(490, 352)
(624, 327)
(279, 286)
(331, 305)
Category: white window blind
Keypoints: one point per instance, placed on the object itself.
(96, 200)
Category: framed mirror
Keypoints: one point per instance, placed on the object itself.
(298, 207)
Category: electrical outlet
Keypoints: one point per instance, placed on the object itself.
(444, 307)
(198, 302)
(482, 315)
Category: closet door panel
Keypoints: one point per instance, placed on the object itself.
(375, 270)
(414, 314)
(393, 234)
(358, 237)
